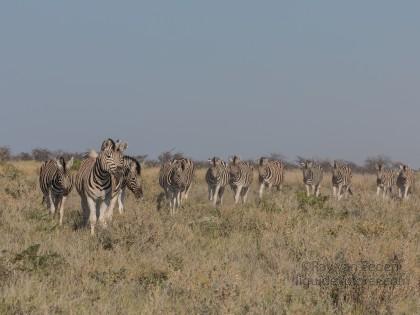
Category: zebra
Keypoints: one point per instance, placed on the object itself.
(130, 179)
(385, 180)
(98, 181)
(405, 181)
(271, 173)
(341, 179)
(241, 175)
(189, 170)
(56, 184)
(217, 177)
(312, 177)
(174, 178)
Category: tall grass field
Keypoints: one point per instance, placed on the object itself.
(285, 254)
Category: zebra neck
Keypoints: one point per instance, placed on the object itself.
(100, 176)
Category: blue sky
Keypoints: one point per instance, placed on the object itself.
(330, 79)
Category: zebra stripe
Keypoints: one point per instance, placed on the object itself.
(189, 169)
(341, 178)
(217, 177)
(270, 173)
(312, 177)
(131, 179)
(241, 176)
(405, 181)
(56, 184)
(175, 177)
(98, 181)
(385, 180)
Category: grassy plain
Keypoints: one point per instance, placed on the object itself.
(287, 254)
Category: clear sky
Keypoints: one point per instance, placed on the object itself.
(336, 79)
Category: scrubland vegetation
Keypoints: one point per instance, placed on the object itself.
(286, 254)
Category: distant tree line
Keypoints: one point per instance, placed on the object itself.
(43, 154)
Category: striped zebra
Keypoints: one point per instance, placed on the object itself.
(341, 179)
(405, 181)
(312, 177)
(175, 177)
(131, 179)
(189, 170)
(56, 184)
(217, 177)
(241, 175)
(98, 181)
(385, 180)
(270, 173)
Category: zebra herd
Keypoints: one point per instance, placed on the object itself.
(103, 178)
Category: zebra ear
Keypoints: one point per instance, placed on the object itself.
(69, 164)
(402, 167)
(122, 146)
(59, 165)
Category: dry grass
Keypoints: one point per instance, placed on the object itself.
(248, 259)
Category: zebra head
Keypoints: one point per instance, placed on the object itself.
(63, 178)
(133, 173)
(262, 166)
(234, 168)
(405, 172)
(307, 169)
(335, 168)
(111, 157)
(215, 163)
(178, 175)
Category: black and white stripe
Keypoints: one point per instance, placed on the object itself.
(405, 181)
(217, 177)
(341, 179)
(241, 175)
(98, 181)
(385, 180)
(175, 177)
(131, 180)
(312, 177)
(55, 182)
(270, 173)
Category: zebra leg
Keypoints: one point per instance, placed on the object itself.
(400, 192)
(314, 189)
(406, 188)
(221, 192)
(52, 203)
(244, 194)
(85, 209)
(238, 193)
(62, 201)
(104, 211)
(378, 190)
(261, 189)
(308, 191)
(216, 195)
(334, 191)
(121, 198)
(210, 192)
(318, 190)
(92, 214)
(109, 212)
(340, 193)
(187, 192)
